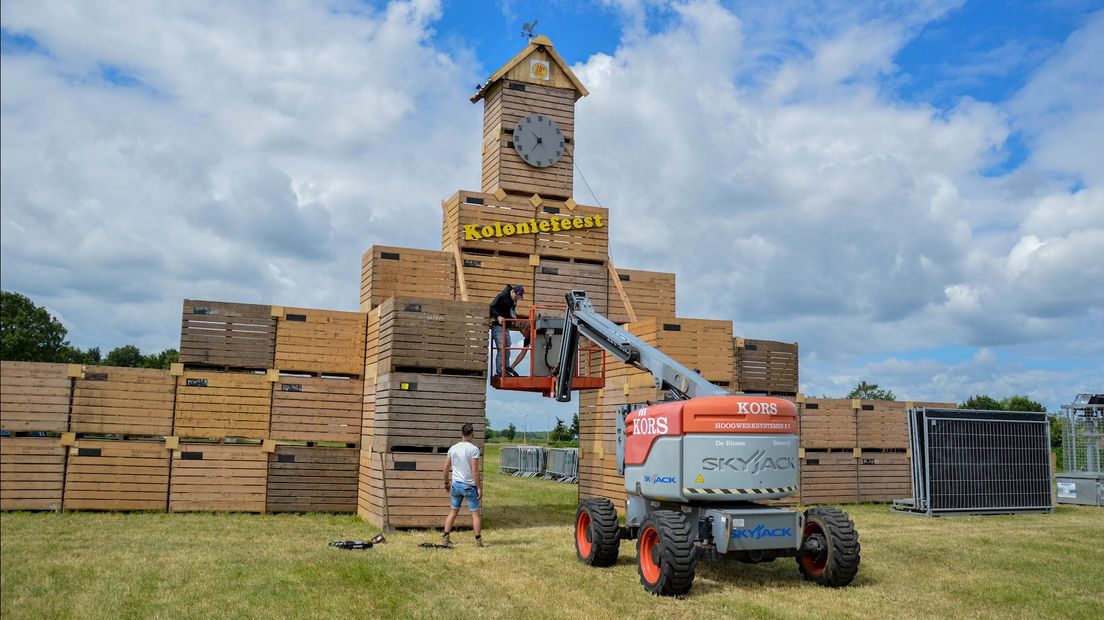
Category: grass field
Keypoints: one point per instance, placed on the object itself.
(100, 565)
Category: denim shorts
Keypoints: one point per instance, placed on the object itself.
(460, 492)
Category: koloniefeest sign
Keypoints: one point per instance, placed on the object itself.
(475, 232)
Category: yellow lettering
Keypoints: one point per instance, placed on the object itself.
(498, 229)
(588, 222)
(555, 224)
(577, 223)
(565, 224)
(470, 234)
(509, 229)
(598, 220)
(488, 231)
(545, 226)
(523, 228)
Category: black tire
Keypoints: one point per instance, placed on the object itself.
(838, 562)
(597, 533)
(665, 554)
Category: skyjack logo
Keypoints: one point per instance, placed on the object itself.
(760, 531)
(754, 464)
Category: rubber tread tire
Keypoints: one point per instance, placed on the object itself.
(843, 547)
(678, 559)
(605, 532)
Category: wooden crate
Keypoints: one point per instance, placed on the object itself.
(218, 477)
(881, 424)
(581, 232)
(387, 271)
(555, 278)
(829, 477)
(700, 344)
(466, 214)
(302, 479)
(317, 409)
(766, 366)
(34, 397)
(651, 293)
(884, 476)
(485, 276)
(827, 423)
(117, 475)
(420, 333)
(405, 490)
(504, 105)
(223, 334)
(424, 410)
(215, 405)
(123, 401)
(32, 471)
(320, 341)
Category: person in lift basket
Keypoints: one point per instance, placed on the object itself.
(503, 308)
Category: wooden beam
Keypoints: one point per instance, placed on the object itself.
(621, 291)
(460, 274)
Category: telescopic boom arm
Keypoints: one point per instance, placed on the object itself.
(582, 320)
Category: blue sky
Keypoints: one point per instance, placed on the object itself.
(911, 191)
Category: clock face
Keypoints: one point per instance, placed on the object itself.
(538, 140)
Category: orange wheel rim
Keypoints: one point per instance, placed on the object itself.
(649, 542)
(814, 565)
(582, 529)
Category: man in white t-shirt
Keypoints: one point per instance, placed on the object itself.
(467, 483)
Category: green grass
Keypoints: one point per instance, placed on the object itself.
(104, 565)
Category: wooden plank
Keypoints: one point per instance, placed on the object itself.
(218, 478)
(622, 296)
(317, 409)
(34, 397)
(320, 341)
(215, 405)
(387, 271)
(124, 401)
(117, 475)
(228, 334)
(32, 470)
(427, 333)
(302, 479)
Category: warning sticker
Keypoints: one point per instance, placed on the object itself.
(699, 479)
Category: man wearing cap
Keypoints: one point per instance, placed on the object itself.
(502, 309)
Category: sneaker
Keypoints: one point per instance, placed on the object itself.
(478, 542)
(445, 540)
(510, 372)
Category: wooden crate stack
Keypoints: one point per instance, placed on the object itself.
(34, 401)
(429, 379)
(766, 367)
(388, 271)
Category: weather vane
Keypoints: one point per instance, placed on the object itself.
(527, 30)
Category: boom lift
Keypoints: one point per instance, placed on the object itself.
(694, 469)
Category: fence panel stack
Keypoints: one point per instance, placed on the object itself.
(34, 401)
(429, 379)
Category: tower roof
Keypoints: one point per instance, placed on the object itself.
(539, 50)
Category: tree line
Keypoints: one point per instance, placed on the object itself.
(29, 333)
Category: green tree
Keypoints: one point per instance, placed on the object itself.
(575, 426)
(162, 360)
(560, 432)
(510, 432)
(870, 391)
(1022, 403)
(127, 356)
(29, 332)
(91, 356)
(982, 402)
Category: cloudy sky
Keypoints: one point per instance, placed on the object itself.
(914, 192)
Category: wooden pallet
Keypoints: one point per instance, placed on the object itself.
(215, 405)
(766, 366)
(317, 409)
(485, 276)
(827, 423)
(388, 271)
(580, 241)
(123, 401)
(468, 211)
(320, 341)
(504, 105)
(413, 409)
(884, 476)
(32, 471)
(218, 477)
(117, 475)
(223, 334)
(651, 293)
(555, 278)
(405, 490)
(417, 332)
(700, 344)
(829, 478)
(312, 479)
(34, 396)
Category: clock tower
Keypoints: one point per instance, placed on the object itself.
(529, 124)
